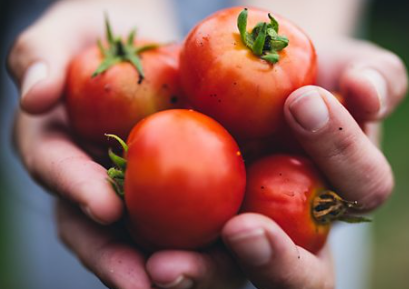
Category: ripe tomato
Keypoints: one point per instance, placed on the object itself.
(245, 92)
(290, 190)
(114, 100)
(184, 179)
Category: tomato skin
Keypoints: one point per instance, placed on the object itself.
(114, 101)
(185, 179)
(282, 187)
(226, 81)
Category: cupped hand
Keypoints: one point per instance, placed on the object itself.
(267, 256)
(52, 157)
(38, 63)
(40, 55)
(372, 81)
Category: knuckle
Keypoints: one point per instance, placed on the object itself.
(68, 187)
(344, 147)
(397, 68)
(22, 43)
(106, 256)
(19, 53)
(32, 163)
(60, 6)
(393, 60)
(379, 189)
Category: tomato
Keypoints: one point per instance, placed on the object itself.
(290, 190)
(245, 92)
(185, 178)
(116, 99)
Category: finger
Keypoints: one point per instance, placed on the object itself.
(187, 269)
(57, 163)
(270, 258)
(39, 58)
(114, 262)
(336, 143)
(372, 80)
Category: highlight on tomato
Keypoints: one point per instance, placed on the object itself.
(184, 179)
(239, 65)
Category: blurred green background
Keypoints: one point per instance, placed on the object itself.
(389, 27)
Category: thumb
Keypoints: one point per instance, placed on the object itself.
(270, 258)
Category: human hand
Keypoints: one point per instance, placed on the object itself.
(109, 253)
(38, 62)
(372, 81)
(266, 255)
(40, 55)
(199, 267)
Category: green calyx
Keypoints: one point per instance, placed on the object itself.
(329, 206)
(120, 51)
(263, 40)
(116, 174)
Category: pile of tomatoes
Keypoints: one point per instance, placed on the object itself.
(201, 120)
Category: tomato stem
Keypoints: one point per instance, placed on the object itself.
(116, 175)
(120, 162)
(120, 51)
(121, 141)
(264, 40)
(329, 206)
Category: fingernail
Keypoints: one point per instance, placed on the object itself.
(33, 75)
(379, 83)
(310, 110)
(179, 283)
(251, 247)
(87, 211)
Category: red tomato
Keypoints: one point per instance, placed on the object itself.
(114, 101)
(185, 178)
(283, 188)
(225, 80)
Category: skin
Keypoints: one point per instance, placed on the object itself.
(41, 138)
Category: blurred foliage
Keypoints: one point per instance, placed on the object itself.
(389, 26)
